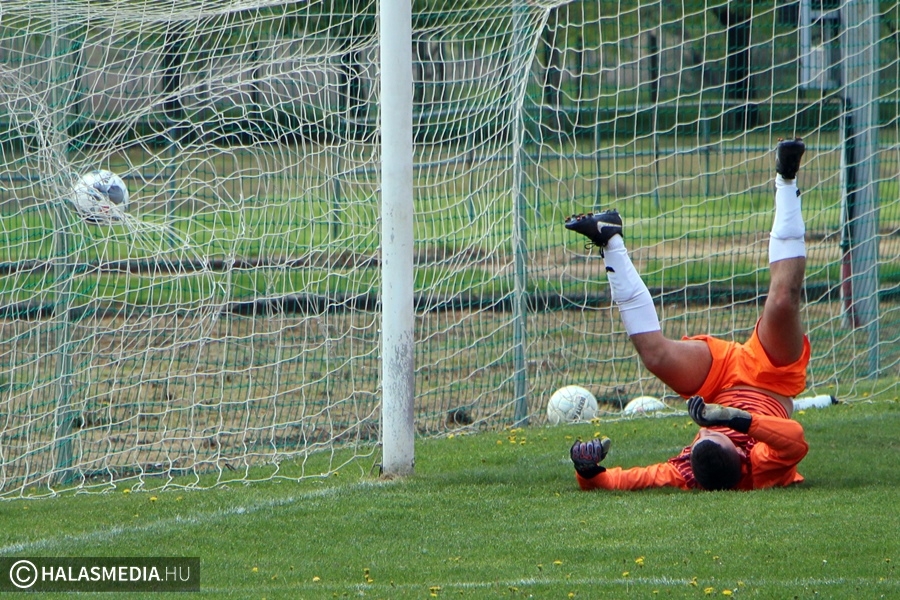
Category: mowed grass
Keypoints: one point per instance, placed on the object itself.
(497, 514)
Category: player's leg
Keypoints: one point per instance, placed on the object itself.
(780, 329)
(681, 364)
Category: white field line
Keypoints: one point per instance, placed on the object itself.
(162, 525)
(202, 518)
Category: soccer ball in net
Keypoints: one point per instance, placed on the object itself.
(100, 197)
(570, 404)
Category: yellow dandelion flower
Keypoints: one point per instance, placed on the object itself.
(571, 594)
(639, 561)
(557, 562)
(254, 570)
(317, 579)
(709, 590)
(626, 573)
(126, 491)
(499, 442)
(153, 498)
(727, 592)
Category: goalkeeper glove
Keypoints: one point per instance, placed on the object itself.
(586, 456)
(709, 415)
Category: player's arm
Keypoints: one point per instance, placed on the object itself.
(636, 478)
(783, 436)
(586, 456)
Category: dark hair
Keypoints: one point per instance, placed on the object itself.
(715, 467)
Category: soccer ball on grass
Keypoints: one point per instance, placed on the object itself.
(571, 404)
(644, 404)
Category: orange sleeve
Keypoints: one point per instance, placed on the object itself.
(781, 446)
(637, 478)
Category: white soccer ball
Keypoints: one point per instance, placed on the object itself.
(100, 197)
(570, 404)
(644, 404)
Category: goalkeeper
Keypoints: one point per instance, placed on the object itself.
(741, 395)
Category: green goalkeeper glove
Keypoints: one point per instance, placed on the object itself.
(708, 415)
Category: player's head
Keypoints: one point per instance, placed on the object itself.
(715, 461)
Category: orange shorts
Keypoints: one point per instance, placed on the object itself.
(748, 364)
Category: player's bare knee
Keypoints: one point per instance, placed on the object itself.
(655, 358)
(784, 299)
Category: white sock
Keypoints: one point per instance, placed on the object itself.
(788, 236)
(628, 289)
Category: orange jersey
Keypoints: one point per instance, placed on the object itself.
(774, 445)
(637, 478)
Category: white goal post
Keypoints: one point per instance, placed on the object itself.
(397, 239)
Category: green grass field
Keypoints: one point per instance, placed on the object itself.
(497, 514)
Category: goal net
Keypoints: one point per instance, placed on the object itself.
(227, 327)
